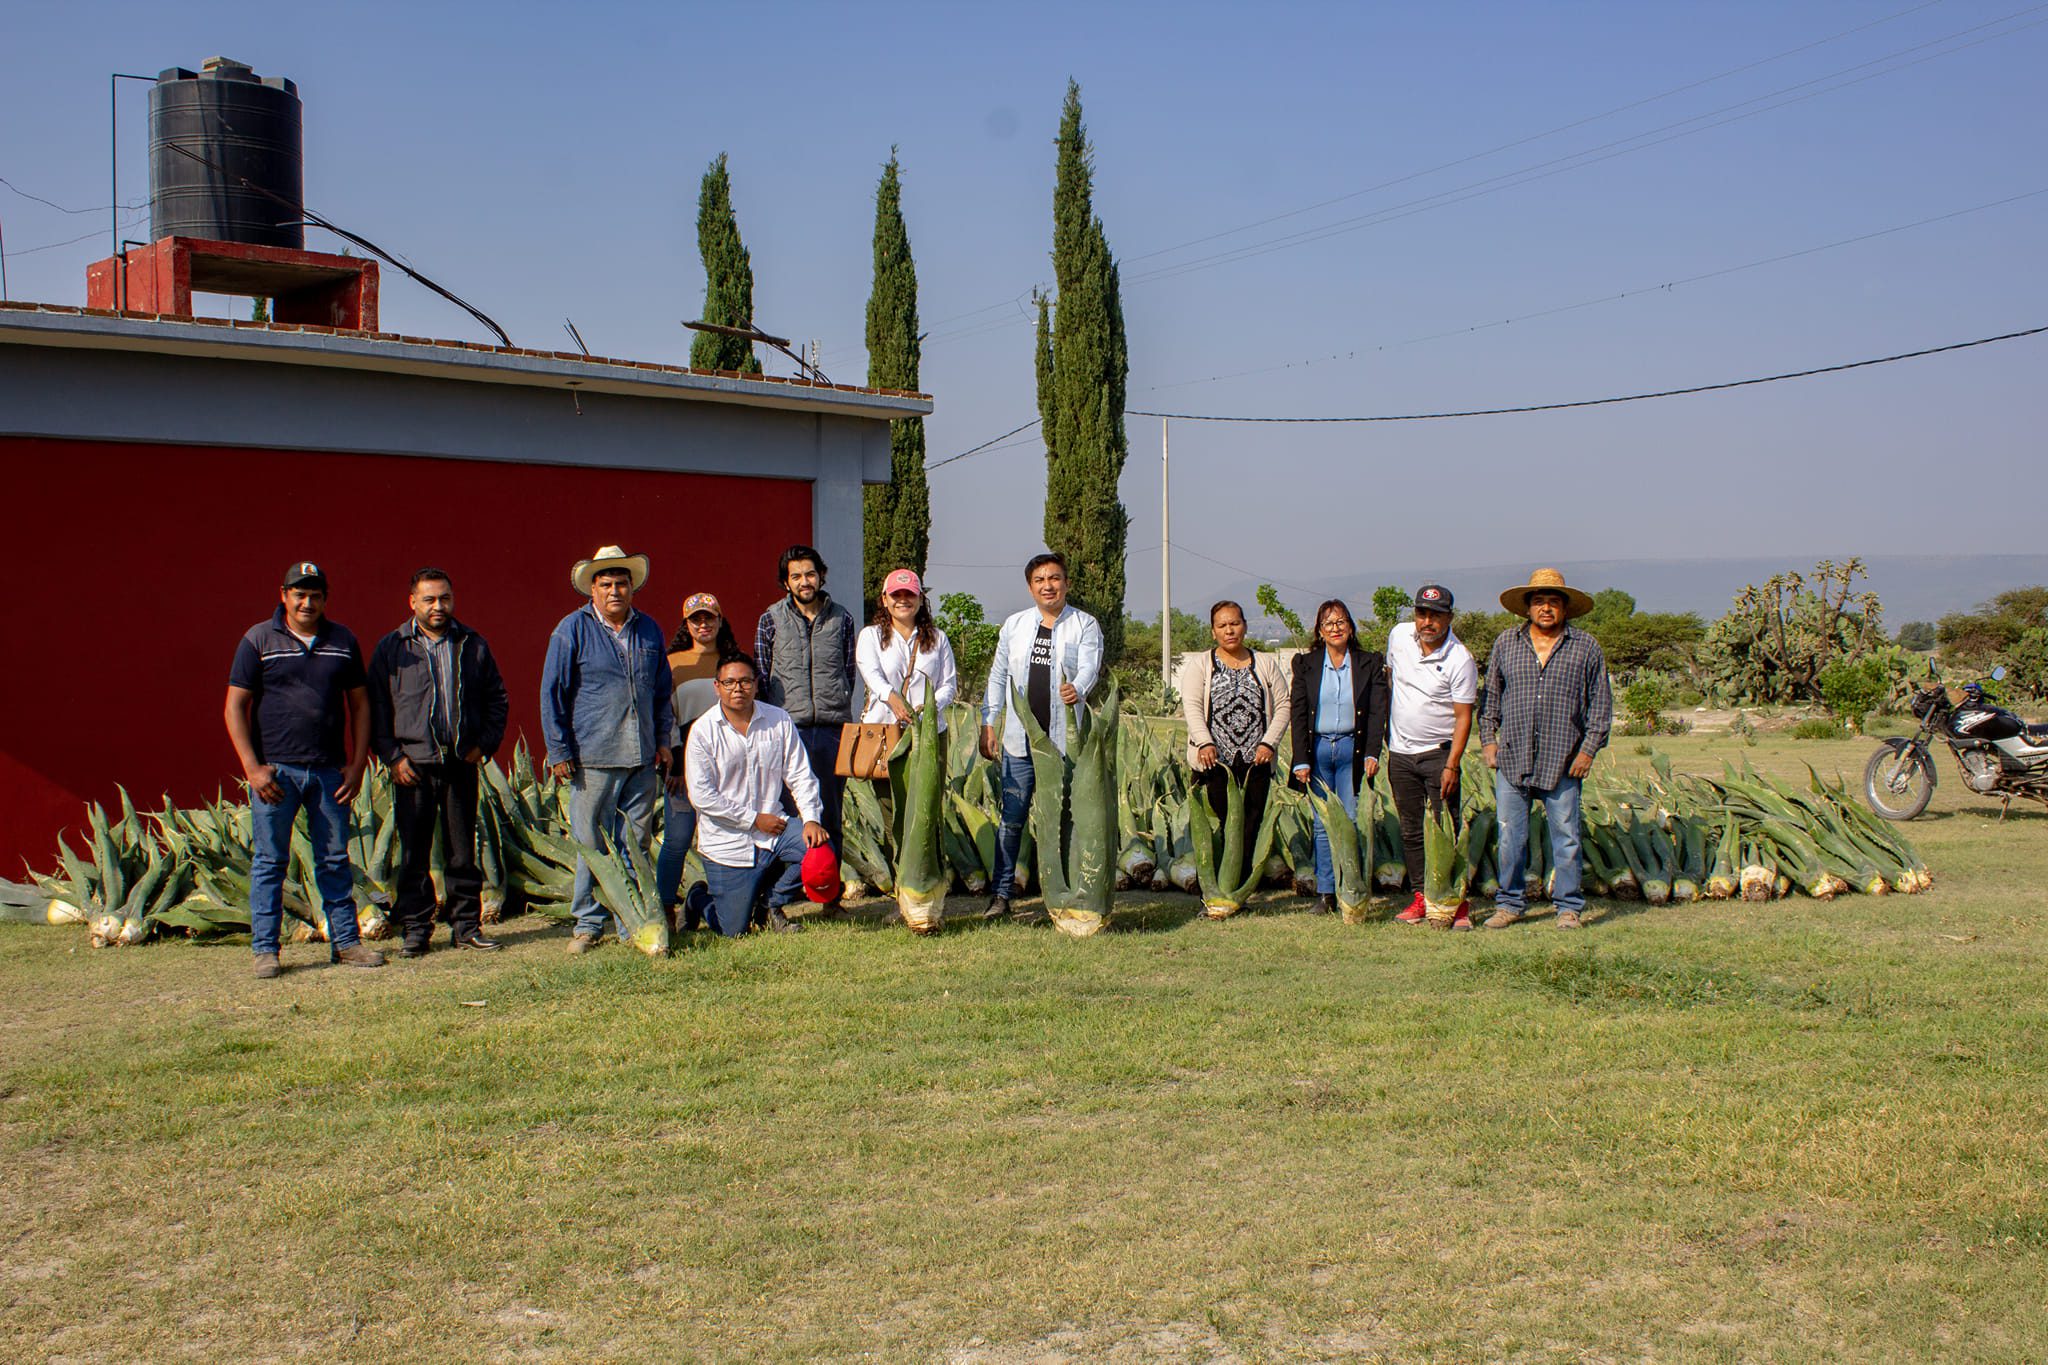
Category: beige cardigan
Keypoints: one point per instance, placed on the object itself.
(1194, 698)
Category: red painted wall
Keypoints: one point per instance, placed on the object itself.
(128, 572)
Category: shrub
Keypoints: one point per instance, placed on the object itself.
(1853, 688)
(1644, 699)
(1817, 727)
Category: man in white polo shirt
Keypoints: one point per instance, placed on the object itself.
(1434, 682)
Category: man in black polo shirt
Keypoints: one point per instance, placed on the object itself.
(297, 680)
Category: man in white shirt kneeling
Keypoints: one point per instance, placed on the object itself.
(739, 760)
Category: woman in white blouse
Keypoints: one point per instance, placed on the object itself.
(905, 661)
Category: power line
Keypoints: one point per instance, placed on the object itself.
(1238, 568)
(1602, 402)
(987, 326)
(1544, 170)
(1665, 287)
(51, 203)
(1538, 407)
(1537, 137)
(983, 446)
(70, 241)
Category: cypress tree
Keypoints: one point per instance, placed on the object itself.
(1082, 363)
(898, 528)
(728, 278)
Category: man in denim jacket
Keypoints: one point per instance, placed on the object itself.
(606, 713)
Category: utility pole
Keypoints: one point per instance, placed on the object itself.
(1165, 571)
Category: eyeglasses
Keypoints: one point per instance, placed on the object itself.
(737, 682)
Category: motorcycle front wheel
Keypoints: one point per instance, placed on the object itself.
(1896, 784)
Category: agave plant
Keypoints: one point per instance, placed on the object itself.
(1443, 868)
(1073, 815)
(1226, 868)
(1350, 839)
(917, 790)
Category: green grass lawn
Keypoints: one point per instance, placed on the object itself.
(1795, 1132)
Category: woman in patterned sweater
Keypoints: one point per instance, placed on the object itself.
(1235, 701)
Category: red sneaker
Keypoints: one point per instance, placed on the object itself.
(1463, 920)
(1414, 913)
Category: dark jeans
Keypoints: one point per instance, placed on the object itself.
(1019, 779)
(1256, 778)
(1415, 779)
(726, 896)
(443, 798)
(821, 745)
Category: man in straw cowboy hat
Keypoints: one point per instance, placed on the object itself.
(605, 712)
(1547, 713)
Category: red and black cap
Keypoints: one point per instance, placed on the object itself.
(1433, 597)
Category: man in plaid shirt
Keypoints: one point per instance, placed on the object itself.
(1547, 712)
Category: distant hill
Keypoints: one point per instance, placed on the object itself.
(1912, 587)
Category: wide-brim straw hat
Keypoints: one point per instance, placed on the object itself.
(608, 557)
(1516, 599)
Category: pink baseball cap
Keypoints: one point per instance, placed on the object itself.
(902, 580)
(821, 874)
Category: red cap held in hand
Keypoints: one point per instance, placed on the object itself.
(821, 874)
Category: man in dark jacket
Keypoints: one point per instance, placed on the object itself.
(437, 713)
(805, 647)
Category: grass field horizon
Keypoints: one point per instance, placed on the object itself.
(1710, 1132)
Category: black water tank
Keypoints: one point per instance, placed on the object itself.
(236, 126)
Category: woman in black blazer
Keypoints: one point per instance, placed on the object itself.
(1337, 736)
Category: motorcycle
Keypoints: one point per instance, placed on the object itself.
(2000, 754)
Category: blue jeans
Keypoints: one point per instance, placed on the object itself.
(270, 830)
(726, 899)
(618, 801)
(1333, 770)
(678, 828)
(1561, 812)
(1019, 779)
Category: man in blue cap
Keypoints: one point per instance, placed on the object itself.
(1433, 683)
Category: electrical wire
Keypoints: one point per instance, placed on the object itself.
(72, 241)
(983, 447)
(315, 220)
(1573, 161)
(1430, 170)
(1604, 402)
(1536, 137)
(1533, 407)
(51, 203)
(1663, 288)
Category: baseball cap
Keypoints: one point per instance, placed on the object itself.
(701, 601)
(305, 574)
(821, 874)
(901, 580)
(1433, 597)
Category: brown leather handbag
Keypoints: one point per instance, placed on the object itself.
(865, 746)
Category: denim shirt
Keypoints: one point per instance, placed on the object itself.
(1334, 708)
(606, 699)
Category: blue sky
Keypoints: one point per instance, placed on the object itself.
(543, 161)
